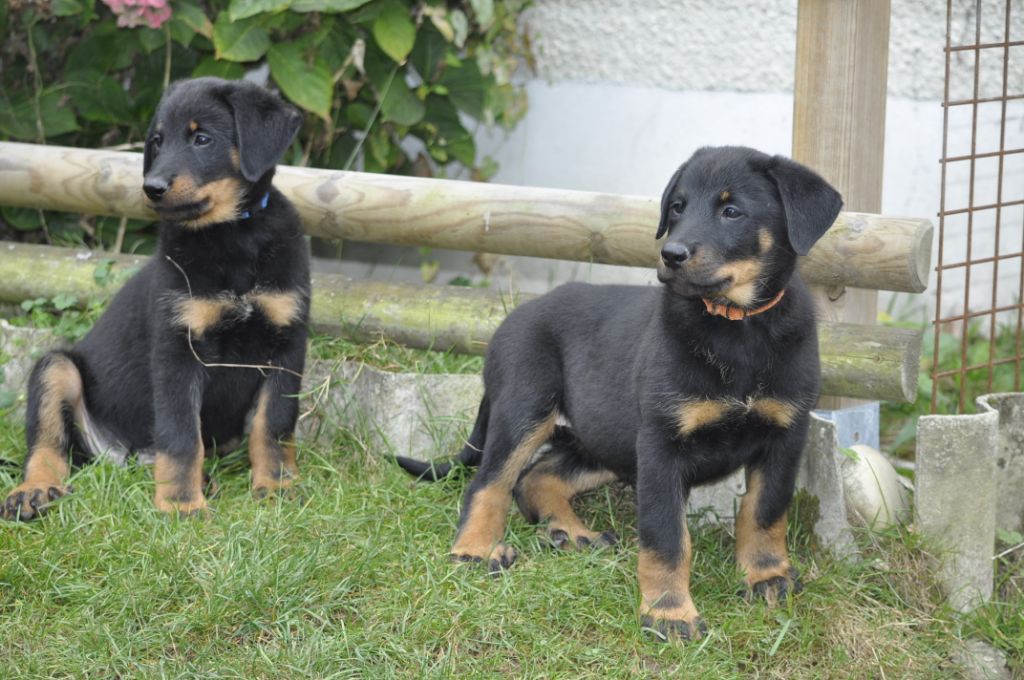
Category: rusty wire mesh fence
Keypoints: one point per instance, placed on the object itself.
(979, 318)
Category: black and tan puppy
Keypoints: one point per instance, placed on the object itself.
(211, 331)
(666, 388)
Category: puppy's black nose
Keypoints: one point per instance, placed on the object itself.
(155, 188)
(674, 254)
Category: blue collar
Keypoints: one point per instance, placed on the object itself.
(246, 214)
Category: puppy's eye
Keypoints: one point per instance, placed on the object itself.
(677, 207)
(730, 212)
(155, 142)
(201, 140)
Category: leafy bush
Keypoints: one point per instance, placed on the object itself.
(386, 85)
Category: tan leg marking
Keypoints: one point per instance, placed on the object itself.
(549, 495)
(481, 534)
(272, 462)
(282, 308)
(761, 553)
(47, 468)
(179, 484)
(666, 604)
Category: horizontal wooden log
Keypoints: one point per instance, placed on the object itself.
(869, 362)
(861, 250)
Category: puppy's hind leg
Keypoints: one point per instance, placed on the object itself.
(55, 400)
(512, 439)
(547, 487)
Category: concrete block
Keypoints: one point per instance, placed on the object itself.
(1009, 459)
(955, 499)
(20, 348)
(821, 475)
(421, 416)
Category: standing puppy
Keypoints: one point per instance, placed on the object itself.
(666, 388)
(213, 328)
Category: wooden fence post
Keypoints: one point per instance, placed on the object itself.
(842, 58)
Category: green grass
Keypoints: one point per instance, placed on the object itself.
(353, 581)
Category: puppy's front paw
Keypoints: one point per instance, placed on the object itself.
(197, 508)
(30, 500)
(666, 625)
(773, 589)
(498, 559)
(580, 540)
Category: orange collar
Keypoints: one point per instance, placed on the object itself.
(736, 313)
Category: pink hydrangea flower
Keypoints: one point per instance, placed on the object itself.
(131, 13)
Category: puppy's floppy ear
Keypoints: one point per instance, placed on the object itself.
(666, 199)
(810, 203)
(265, 127)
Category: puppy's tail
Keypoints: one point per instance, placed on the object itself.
(470, 455)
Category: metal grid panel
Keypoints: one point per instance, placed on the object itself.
(981, 234)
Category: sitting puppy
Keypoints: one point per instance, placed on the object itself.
(666, 388)
(213, 328)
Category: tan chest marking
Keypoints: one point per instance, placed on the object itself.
(282, 308)
(695, 414)
(200, 314)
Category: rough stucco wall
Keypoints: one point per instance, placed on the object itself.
(726, 46)
(739, 46)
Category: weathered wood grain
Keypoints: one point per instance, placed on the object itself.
(861, 250)
(857, 361)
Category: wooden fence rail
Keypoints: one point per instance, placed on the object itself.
(861, 250)
(857, 361)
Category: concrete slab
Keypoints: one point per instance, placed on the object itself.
(955, 499)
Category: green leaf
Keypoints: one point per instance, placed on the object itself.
(188, 20)
(228, 70)
(341, 151)
(193, 16)
(311, 87)
(22, 219)
(245, 40)
(57, 118)
(401, 105)
(467, 88)
(428, 52)
(463, 150)
(452, 137)
(357, 115)
(484, 12)
(394, 31)
(105, 49)
(1009, 537)
(329, 6)
(243, 9)
(99, 98)
(66, 8)
(62, 301)
(151, 39)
